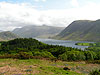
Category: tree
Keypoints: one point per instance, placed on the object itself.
(63, 56)
(90, 55)
(24, 55)
(76, 55)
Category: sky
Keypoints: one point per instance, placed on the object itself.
(19, 13)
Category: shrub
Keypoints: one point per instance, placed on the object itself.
(95, 72)
(63, 57)
(90, 55)
(43, 54)
(24, 55)
(76, 55)
(94, 62)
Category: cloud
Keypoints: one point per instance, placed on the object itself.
(40, 0)
(44, 0)
(14, 15)
(36, 0)
(74, 3)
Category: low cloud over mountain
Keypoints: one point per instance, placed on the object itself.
(14, 15)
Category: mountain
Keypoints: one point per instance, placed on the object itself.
(1, 31)
(38, 31)
(82, 30)
(7, 35)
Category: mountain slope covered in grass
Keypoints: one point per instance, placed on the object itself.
(84, 30)
(7, 35)
(37, 31)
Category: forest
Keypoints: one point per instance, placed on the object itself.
(28, 48)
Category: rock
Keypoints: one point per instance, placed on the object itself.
(66, 68)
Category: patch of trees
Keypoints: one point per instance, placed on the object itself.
(25, 48)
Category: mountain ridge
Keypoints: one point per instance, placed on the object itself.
(81, 30)
(37, 31)
(7, 35)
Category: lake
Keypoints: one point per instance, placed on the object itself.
(66, 43)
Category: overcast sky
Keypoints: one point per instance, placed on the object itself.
(18, 13)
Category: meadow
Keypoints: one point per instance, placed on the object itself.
(44, 67)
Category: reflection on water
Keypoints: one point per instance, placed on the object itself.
(66, 43)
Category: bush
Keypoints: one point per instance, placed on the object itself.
(76, 55)
(98, 55)
(24, 55)
(94, 62)
(7, 56)
(63, 57)
(90, 55)
(43, 54)
(95, 72)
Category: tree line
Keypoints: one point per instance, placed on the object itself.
(25, 48)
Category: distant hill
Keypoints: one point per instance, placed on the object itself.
(1, 31)
(83, 30)
(7, 35)
(37, 31)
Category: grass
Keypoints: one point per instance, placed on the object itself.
(86, 44)
(44, 67)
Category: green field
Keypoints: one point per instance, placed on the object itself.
(86, 44)
(44, 67)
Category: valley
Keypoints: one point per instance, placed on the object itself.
(49, 37)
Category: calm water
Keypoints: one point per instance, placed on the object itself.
(66, 43)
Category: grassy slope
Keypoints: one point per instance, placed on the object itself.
(7, 35)
(38, 31)
(43, 67)
(81, 30)
(85, 44)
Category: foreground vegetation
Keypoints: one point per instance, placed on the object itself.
(95, 72)
(44, 67)
(23, 48)
(43, 59)
(94, 47)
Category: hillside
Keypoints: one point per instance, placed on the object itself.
(37, 31)
(7, 35)
(83, 30)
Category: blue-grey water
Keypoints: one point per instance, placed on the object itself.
(66, 43)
